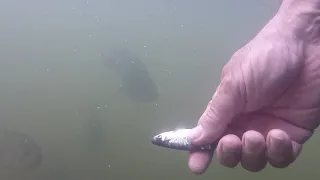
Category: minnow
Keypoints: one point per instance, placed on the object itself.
(178, 140)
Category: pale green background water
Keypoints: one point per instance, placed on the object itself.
(51, 66)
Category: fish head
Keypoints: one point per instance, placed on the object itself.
(157, 140)
(171, 139)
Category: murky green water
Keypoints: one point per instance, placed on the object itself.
(55, 86)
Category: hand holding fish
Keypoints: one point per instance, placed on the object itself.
(268, 102)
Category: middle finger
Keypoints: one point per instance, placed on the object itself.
(253, 151)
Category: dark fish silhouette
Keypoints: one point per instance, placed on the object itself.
(135, 78)
(19, 151)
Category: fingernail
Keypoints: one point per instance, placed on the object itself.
(277, 141)
(228, 148)
(251, 145)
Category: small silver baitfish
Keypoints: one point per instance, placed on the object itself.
(178, 139)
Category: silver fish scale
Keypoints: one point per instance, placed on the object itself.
(178, 139)
(182, 141)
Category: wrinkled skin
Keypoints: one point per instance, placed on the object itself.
(268, 102)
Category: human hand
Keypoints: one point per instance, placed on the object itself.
(268, 102)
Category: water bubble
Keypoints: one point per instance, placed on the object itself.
(97, 18)
(167, 71)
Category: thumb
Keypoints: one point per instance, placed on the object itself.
(227, 102)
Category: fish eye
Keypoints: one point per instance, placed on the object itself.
(159, 137)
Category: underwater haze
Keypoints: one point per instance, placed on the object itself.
(89, 83)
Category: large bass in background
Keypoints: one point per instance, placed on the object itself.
(135, 78)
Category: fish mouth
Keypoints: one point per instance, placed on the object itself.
(156, 140)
